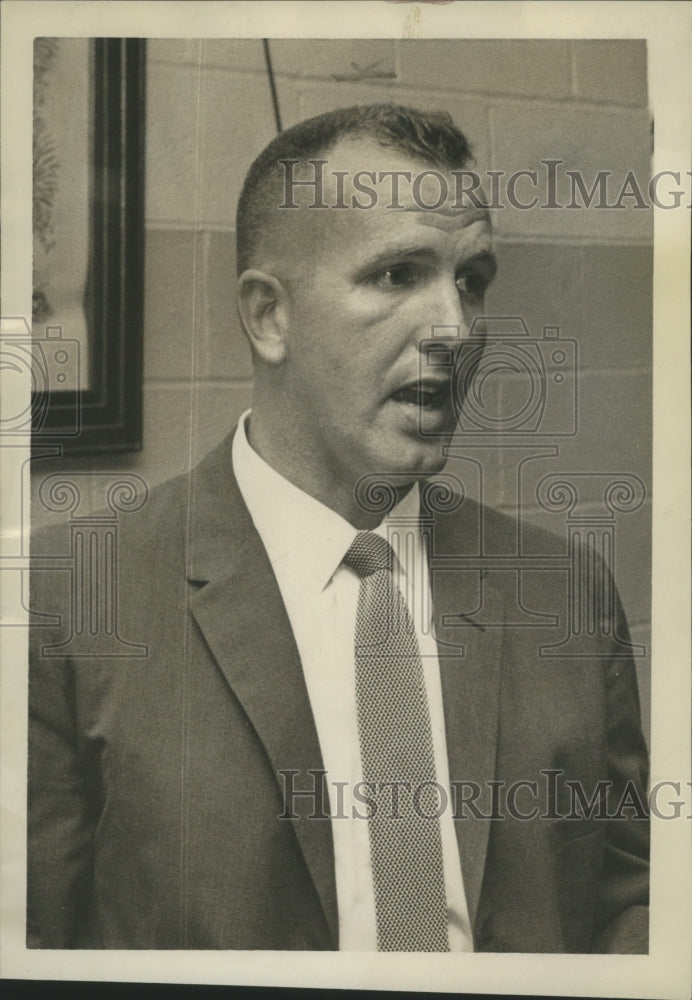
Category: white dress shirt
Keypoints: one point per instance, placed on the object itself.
(306, 543)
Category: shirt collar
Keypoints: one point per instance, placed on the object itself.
(302, 536)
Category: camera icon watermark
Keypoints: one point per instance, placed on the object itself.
(49, 364)
(504, 382)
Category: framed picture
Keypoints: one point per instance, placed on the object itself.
(88, 239)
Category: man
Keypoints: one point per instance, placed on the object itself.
(314, 751)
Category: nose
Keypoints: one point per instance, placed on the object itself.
(444, 323)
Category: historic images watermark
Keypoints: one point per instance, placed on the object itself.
(90, 626)
(538, 378)
(430, 190)
(543, 410)
(549, 796)
(52, 364)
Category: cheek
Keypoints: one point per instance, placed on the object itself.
(349, 343)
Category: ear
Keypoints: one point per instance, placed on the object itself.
(262, 302)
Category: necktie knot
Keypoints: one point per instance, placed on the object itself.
(368, 554)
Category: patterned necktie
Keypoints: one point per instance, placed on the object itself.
(396, 746)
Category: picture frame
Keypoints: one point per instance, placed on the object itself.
(98, 406)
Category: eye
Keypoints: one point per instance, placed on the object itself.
(396, 276)
(472, 285)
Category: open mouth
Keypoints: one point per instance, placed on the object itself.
(426, 395)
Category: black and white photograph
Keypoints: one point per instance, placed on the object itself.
(345, 446)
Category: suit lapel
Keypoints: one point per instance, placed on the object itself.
(242, 616)
(470, 679)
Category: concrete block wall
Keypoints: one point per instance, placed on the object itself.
(587, 271)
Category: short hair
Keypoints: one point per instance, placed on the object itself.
(429, 136)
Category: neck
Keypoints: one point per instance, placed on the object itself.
(301, 471)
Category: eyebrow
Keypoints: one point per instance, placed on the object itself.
(397, 253)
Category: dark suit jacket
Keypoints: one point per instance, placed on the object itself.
(154, 791)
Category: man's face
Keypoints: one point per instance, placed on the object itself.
(365, 289)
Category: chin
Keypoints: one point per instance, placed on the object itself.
(417, 463)
(390, 476)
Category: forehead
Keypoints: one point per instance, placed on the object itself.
(361, 172)
(363, 193)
